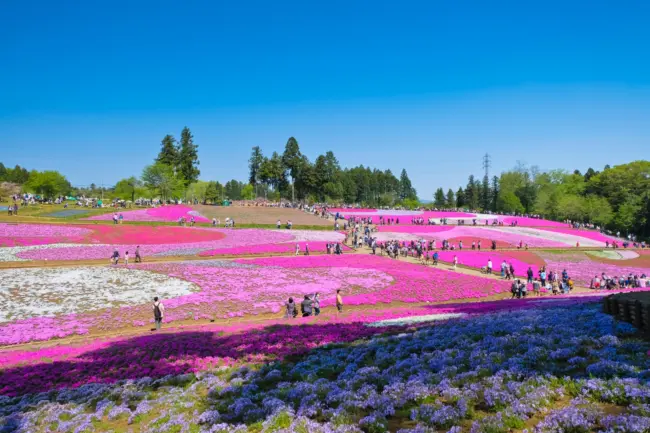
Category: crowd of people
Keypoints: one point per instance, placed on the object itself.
(115, 257)
(310, 306)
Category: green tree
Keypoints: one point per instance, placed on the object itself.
(126, 189)
(494, 193)
(510, 203)
(48, 183)
(255, 165)
(169, 153)
(233, 189)
(160, 179)
(292, 158)
(214, 192)
(439, 198)
(485, 193)
(248, 192)
(3, 172)
(472, 193)
(406, 189)
(188, 158)
(451, 199)
(460, 198)
(197, 191)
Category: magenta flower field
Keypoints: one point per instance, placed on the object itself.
(160, 214)
(261, 286)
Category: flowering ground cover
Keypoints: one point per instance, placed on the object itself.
(233, 289)
(412, 283)
(39, 234)
(405, 216)
(281, 248)
(520, 260)
(563, 368)
(582, 269)
(162, 213)
(99, 242)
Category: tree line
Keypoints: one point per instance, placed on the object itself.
(616, 198)
(292, 175)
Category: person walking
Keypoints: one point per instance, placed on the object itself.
(115, 258)
(306, 249)
(297, 249)
(126, 258)
(158, 312)
(339, 301)
(529, 274)
(489, 266)
(138, 257)
(290, 306)
(455, 262)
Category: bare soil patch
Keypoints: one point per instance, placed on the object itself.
(261, 215)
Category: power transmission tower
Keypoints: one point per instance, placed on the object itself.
(487, 164)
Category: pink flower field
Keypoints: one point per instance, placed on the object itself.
(94, 242)
(282, 248)
(161, 214)
(257, 286)
(582, 269)
(477, 260)
(405, 216)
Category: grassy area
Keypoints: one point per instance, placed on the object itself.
(41, 212)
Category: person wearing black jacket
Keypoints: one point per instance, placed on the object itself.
(306, 306)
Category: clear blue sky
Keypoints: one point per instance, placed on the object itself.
(90, 88)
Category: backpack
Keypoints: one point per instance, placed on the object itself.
(157, 314)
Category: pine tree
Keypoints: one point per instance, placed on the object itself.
(460, 198)
(254, 165)
(451, 200)
(406, 190)
(188, 158)
(168, 154)
(439, 198)
(485, 193)
(494, 196)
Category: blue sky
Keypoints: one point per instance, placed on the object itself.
(90, 88)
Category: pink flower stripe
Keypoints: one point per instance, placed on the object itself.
(234, 238)
(413, 283)
(509, 236)
(582, 269)
(587, 234)
(40, 234)
(281, 248)
(478, 260)
(162, 213)
(531, 222)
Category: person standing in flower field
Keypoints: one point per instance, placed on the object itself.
(316, 304)
(297, 249)
(306, 249)
(158, 312)
(115, 258)
(126, 258)
(489, 266)
(138, 257)
(306, 306)
(455, 262)
(339, 301)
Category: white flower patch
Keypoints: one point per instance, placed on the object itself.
(404, 321)
(27, 293)
(9, 254)
(313, 235)
(398, 236)
(615, 255)
(564, 238)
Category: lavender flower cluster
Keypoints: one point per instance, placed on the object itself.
(542, 370)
